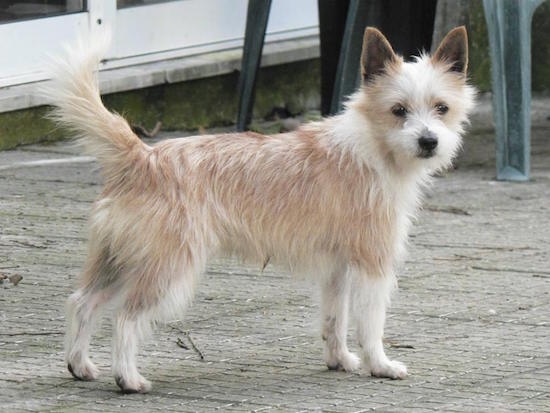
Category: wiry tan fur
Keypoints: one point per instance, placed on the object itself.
(333, 200)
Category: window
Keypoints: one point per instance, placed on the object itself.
(17, 10)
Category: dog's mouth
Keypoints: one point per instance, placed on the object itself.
(426, 153)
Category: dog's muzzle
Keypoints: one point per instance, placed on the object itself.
(427, 145)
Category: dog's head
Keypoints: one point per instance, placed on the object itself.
(416, 110)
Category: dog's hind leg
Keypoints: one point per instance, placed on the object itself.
(130, 326)
(335, 296)
(371, 297)
(81, 318)
(155, 295)
(83, 309)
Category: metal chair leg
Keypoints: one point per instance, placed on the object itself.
(256, 24)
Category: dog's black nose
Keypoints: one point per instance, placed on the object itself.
(427, 142)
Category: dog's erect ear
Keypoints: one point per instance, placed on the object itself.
(377, 54)
(454, 50)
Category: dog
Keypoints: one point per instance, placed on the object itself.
(333, 199)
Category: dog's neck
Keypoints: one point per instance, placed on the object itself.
(347, 138)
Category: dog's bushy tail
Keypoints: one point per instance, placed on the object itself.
(74, 94)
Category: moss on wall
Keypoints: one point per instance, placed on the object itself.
(201, 103)
(26, 126)
(293, 87)
(189, 105)
(213, 101)
(138, 106)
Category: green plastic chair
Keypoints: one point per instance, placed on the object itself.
(509, 27)
(256, 24)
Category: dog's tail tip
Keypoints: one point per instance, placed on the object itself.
(86, 50)
(74, 94)
(74, 65)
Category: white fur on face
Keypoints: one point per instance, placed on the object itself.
(419, 87)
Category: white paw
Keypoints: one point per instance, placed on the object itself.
(344, 361)
(350, 362)
(136, 384)
(392, 369)
(83, 369)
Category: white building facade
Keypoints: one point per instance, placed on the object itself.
(142, 31)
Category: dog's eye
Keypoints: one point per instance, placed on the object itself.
(399, 110)
(441, 108)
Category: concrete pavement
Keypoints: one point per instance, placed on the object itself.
(471, 318)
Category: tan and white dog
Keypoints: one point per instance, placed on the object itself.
(333, 199)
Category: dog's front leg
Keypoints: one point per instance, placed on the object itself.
(335, 296)
(371, 297)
